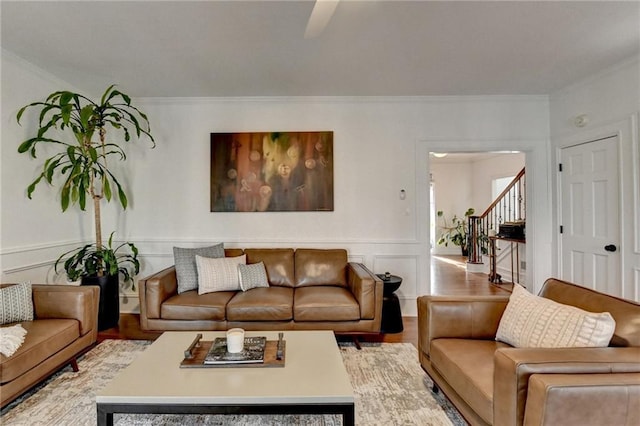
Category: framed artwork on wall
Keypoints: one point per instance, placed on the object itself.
(272, 171)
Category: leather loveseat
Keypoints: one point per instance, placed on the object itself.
(492, 383)
(65, 325)
(308, 289)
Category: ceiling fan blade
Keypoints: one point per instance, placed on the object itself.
(320, 17)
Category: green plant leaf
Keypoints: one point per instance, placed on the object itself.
(106, 188)
(65, 98)
(85, 115)
(64, 198)
(26, 145)
(32, 186)
(122, 196)
(65, 112)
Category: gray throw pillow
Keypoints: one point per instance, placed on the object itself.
(252, 276)
(185, 261)
(16, 303)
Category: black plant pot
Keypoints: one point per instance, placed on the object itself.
(109, 309)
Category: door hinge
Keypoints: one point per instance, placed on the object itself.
(559, 167)
(561, 229)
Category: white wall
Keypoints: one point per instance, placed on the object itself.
(611, 103)
(452, 183)
(489, 168)
(381, 146)
(32, 232)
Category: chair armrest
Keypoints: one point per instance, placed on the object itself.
(583, 399)
(154, 290)
(65, 301)
(464, 317)
(367, 288)
(514, 367)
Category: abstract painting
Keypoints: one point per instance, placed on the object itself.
(272, 171)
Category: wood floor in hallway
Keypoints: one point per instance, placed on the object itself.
(448, 277)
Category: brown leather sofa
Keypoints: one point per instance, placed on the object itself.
(492, 383)
(308, 289)
(65, 325)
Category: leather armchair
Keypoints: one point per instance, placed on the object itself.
(492, 383)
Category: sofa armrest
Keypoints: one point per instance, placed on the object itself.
(64, 301)
(367, 288)
(583, 399)
(464, 317)
(154, 290)
(514, 367)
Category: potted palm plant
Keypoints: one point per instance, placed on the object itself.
(455, 231)
(74, 127)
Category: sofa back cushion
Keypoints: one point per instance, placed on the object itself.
(233, 252)
(278, 263)
(321, 267)
(624, 312)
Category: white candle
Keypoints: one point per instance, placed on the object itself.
(235, 340)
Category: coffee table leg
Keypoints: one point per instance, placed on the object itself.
(349, 416)
(104, 418)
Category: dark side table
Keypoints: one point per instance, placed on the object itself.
(391, 313)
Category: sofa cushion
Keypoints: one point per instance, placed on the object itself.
(467, 365)
(262, 304)
(185, 262)
(192, 306)
(252, 276)
(325, 303)
(44, 338)
(278, 262)
(625, 312)
(218, 274)
(531, 321)
(321, 267)
(16, 303)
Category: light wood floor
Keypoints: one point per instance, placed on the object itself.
(448, 277)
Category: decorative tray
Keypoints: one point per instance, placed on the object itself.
(194, 356)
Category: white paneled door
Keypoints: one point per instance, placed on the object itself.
(590, 199)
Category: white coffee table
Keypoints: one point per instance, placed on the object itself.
(313, 381)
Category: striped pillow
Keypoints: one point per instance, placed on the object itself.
(219, 274)
(531, 321)
(16, 303)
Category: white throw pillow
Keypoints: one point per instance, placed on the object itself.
(218, 274)
(252, 276)
(531, 321)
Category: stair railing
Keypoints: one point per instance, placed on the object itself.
(509, 206)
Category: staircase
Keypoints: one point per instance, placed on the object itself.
(508, 208)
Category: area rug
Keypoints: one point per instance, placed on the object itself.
(389, 385)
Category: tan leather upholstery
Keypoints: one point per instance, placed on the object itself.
(624, 312)
(65, 325)
(583, 399)
(325, 303)
(491, 382)
(192, 306)
(321, 267)
(323, 292)
(262, 304)
(277, 262)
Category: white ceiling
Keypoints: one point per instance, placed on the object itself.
(369, 48)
